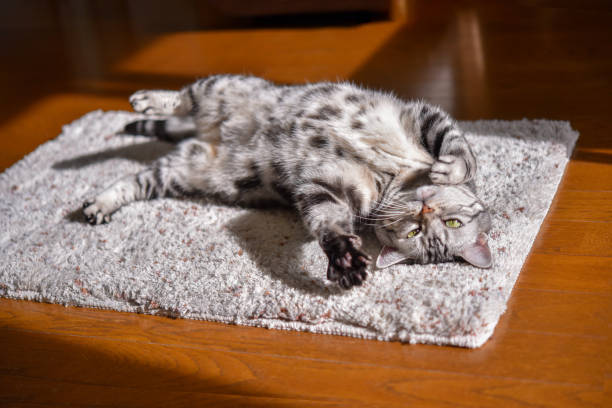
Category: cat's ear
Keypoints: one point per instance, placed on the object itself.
(478, 253)
(389, 256)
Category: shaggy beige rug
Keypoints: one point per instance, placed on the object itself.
(201, 260)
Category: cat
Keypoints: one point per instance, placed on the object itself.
(344, 157)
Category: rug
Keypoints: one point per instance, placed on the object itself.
(199, 259)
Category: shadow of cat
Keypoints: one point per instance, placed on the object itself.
(76, 216)
(273, 237)
(274, 240)
(144, 152)
(141, 152)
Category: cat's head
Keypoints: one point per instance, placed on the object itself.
(432, 224)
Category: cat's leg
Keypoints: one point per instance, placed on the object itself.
(140, 186)
(442, 137)
(177, 106)
(330, 219)
(164, 102)
(182, 173)
(203, 100)
(209, 101)
(202, 95)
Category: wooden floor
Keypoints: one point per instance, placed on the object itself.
(535, 59)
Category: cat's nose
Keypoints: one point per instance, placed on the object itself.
(426, 209)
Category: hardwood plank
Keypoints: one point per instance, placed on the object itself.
(566, 272)
(580, 205)
(315, 60)
(550, 350)
(574, 238)
(164, 374)
(588, 171)
(560, 312)
(416, 391)
(37, 392)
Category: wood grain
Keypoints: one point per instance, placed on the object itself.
(574, 238)
(581, 205)
(489, 360)
(566, 273)
(584, 175)
(156, 370)
(561, 312)
(477, 59)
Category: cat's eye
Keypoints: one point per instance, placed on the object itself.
(453, 223)
(413, 233)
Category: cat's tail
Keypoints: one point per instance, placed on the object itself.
(173, 129)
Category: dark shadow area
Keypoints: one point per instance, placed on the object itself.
(488, 60)
(274, 240)
(593, 157)
(414, 57)
(82, 40)
(145, 152)
(311, 20)
(459, 55)
(71, 370)
(271, 234)
(77, 216)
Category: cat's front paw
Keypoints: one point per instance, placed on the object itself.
(347, 263)
(449, 170)
(95, 214)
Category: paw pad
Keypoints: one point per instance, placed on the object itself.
(347, 263)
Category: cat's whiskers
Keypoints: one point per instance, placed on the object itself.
(387, 215)
(377, 216)
(391, 223)
(375, 220)
(385, 211)
(389, 202)
(386, 202)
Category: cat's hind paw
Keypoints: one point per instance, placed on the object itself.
(94, 214)
(347, 263)
(154, 102)
(448, 170)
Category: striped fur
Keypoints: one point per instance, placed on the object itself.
(341, 155)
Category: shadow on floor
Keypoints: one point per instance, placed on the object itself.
(73, 370)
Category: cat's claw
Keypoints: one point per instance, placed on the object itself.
(347, 263)
(94, 214)
(448, 170)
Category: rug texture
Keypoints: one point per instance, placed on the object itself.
(204, 260)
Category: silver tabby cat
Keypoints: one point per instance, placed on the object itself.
(343, 156)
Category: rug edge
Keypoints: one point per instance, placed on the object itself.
(570, 136)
